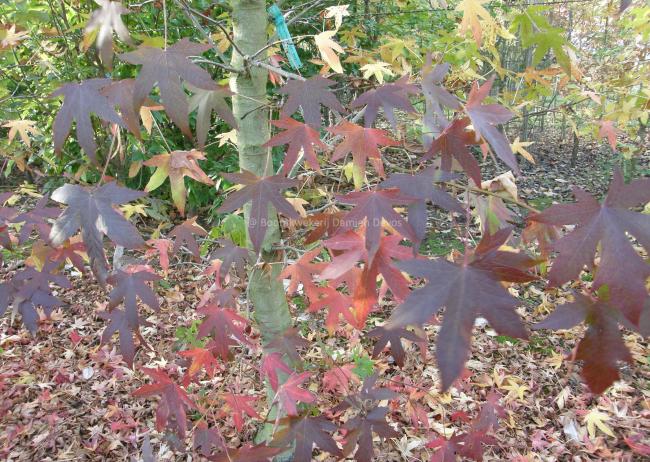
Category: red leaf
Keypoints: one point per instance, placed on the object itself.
(201, 358)
(338, 378)
(298, 136)
(224, 326)
(183, 235)
(289, 393)
(173, 401)
(607, 224)
(337, 305)
(602, 346)
(466, 290)
(271, 364)
(362, 143)
(166, 68)
(261, 192)
(608, 130)
(239, 406)
(231, 255)
(452, 145)
(373, 207)
(309, 95)
(305, 433)
(390, 96)
(302, 272)
(633, 441)
(486, 117)
(420, 187)
(160, 246)
(36, 220)
(80, 100)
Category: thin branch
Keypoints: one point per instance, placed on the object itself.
(277, 70)
(221, 65)
(189, 9)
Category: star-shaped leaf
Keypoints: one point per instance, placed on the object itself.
(127, 285)
(373, 207)
(393, 337)
(202, 358)
(231, 255)
(377, 70)
(206, 102)
(30, 289)
(262, 192)
(337, 304)
(328, 49)
(305, 433)
(166, 68)
(224, 326)
(271, 364)
(302, 271)
(207, 438)
(183, 235)
(473, 15)
(240, 407)
(369, 420)
(436, 97)
(484, 119)
(289, 393)
(420, 186)
(390, 96)
(92, 211)
(177, 165)
(36, 219)
(363, 144)
(105, 21)
(79, 101)
(299, 137)
(607, 224)
(452, 145)
(309, 95)
(174, 400)
(24, 128)
(466, 290)
(602, 346)
(121, 94)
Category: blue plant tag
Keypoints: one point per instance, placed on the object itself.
(285, 36)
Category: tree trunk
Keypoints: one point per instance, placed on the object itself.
(574, 151)
(265, 291)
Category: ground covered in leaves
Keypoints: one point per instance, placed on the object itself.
(65, 397)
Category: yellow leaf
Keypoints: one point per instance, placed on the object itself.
(328, 49)
(515, 389)
(130, 209)
(519, 147)
(595, 419)
(227, 137)
(24, 128)
(11, 37)
(337, 12)
(473, 13)
(147, 118)
(299, 205)
(350, 36)
(377, 69)
(134, 168)
(222, 41)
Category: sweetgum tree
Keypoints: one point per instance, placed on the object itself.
(362, 249)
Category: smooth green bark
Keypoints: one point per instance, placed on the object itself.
(265, 291)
